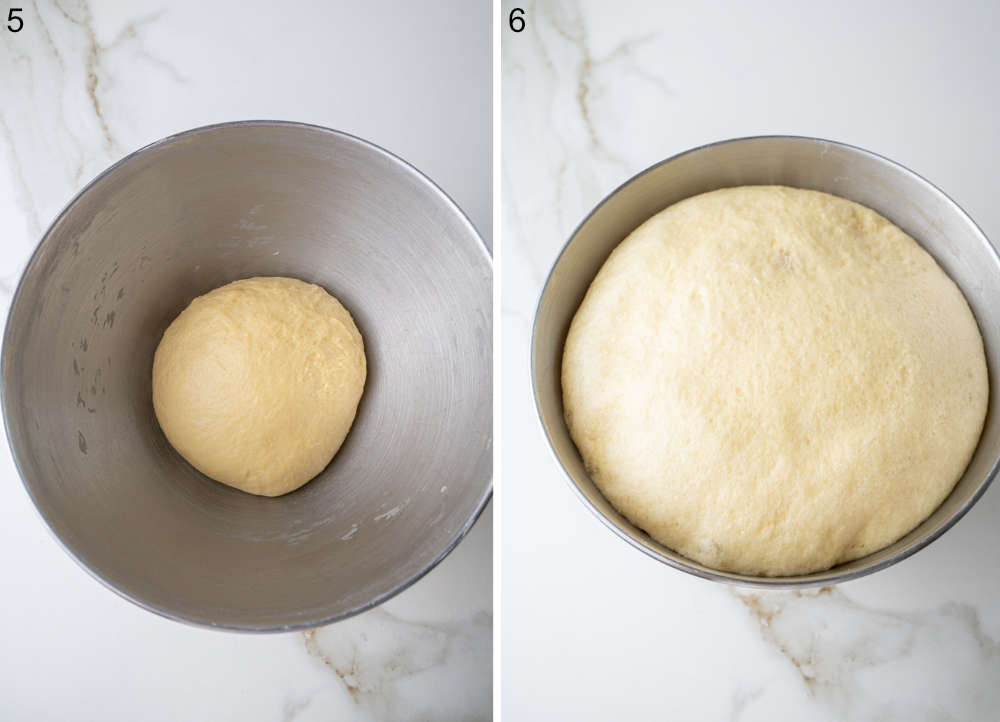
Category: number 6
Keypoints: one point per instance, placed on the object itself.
(516, 20)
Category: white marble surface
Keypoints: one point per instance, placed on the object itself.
(593, 92)
(82, 85)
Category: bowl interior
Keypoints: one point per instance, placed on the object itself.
(909, 201)
(190, 214)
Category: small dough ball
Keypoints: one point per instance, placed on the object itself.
(257, 383)
(773, 381)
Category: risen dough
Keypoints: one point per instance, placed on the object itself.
(256, 383)
(773, 381)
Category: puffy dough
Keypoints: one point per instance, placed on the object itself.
(257, 383)
(773, 381)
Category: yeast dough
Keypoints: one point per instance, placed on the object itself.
(257, 383)
(773, 381)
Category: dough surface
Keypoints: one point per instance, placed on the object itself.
(257, 383)
(772, 381)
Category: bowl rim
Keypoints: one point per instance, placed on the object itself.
(303, 624)
(681, 563)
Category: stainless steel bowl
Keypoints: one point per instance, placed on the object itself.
(188, 214)
(905, 198)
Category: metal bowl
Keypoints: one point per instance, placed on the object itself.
(908, 200)
(188, 214)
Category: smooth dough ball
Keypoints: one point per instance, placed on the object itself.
(772, 381)
(257, 383)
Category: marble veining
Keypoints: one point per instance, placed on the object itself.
(376, 662)
(846, 653)
(60, 133)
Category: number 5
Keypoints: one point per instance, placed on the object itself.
(11, 17)
(516, 20)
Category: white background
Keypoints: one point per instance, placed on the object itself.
(594, 92)
(82, 85)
